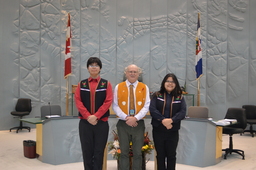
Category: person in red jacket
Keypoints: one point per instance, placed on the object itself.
(93, 99)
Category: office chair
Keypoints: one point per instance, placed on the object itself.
(198, 112)
(238, 128)
(23, 107)
(250, 111)
(48, 110)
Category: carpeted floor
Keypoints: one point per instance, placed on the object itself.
(12, 155)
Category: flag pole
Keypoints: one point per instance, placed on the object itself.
(198, 91)
(198, 80)
(67, 97)
(67, 70)
(199, 70)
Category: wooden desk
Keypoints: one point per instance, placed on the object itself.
(38, 122)
(57, 140)
(60, 141)
(200, 143)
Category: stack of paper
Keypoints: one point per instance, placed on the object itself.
(225, 122)
(51, 116)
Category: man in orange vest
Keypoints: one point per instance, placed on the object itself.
(131, 104)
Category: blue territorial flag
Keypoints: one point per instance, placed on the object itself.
(198, 60)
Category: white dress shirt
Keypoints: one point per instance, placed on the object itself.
(141, 113)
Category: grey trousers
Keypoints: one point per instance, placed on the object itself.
(126, 135)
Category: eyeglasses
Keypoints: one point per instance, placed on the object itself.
(132, 72)
(169, 81)
(94, 66)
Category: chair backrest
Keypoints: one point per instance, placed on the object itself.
(50, 110)
(250, 111)
(23, 105)
(198, 112)
(239, 115)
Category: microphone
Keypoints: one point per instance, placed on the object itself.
(50, 108)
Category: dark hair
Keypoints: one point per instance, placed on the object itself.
(177, 90)
(92, 60)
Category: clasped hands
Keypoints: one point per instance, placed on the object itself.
(92, 119)
(131, 121)
(167, 123)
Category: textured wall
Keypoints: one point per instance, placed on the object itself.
(157, 35)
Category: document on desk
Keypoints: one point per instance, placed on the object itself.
(225, 122)
(52, 116)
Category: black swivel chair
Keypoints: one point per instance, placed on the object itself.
(238, 128)
(22, 108)
(250, 111)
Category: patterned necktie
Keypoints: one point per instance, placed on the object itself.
(132, 108)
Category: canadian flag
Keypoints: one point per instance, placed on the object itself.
(67, 69)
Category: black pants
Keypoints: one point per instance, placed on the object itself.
(93, 140)
(165, 142)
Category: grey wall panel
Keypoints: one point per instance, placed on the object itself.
(141, 42)
(238, 52)
(29, 50)
(50, 52)
(108, 22)
(252, 54)
(158, 42)
(216, 57)
(9, 56)
(177, 39)
(124, 39)
(158, 36)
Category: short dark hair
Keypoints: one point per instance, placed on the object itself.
(92, 60)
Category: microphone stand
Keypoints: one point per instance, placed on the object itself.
(50, 109)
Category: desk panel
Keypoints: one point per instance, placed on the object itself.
(39, 139)
(219, 142)
(38, 122)
(60, 141)
(200, 143)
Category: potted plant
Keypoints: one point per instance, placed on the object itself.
(114, 149)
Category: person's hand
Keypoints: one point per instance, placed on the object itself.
(169, 126)
(167, 123)
(92, 119)
(131, 121)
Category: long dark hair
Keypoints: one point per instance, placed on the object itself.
(176, 91)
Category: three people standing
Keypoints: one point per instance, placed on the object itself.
(131, 103)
